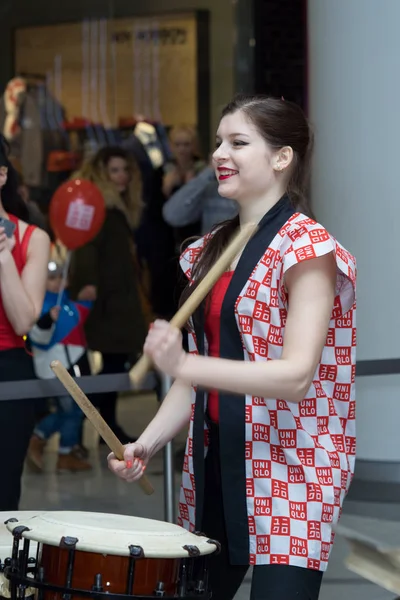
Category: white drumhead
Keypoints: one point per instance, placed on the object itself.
(6, 539)
(113, 534)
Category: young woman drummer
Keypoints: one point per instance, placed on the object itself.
(275, 346)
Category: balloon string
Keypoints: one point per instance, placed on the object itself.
(64, 277)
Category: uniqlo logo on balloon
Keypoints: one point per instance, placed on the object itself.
(330, 338)
(314, 530)
(248, 413)
(298, 511)
(262, 507)
(252, 289)
(327, 512)
(280, 526)
(341, 391)
(288, 438)
(248, 450)
(260, 432)
(262, 312)
(318, 235)
(277, 454)
(305, 253)
(262, 469)
(184, 512)
(189, 497)
(263, 544)
(296, 474)
(298, 546)
(343, 355)
(250, 487)
(314, 492)
(246, 324)
(280, 489)
(79, 216)
(328, 372)
(308, 408)
(260, 346)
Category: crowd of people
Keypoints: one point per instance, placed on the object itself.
(271, 443)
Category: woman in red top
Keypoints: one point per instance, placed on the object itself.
(24, 255)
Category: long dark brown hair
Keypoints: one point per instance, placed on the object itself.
(280, 123)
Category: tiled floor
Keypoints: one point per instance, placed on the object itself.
(100, 491)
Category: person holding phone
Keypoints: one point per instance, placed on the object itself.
(24, 255)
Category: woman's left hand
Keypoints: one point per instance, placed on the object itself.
(164, 346)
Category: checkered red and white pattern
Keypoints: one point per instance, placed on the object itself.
(299, 457)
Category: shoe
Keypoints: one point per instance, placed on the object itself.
(35, 452)
(70, 462)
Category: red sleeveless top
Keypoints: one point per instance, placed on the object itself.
(8, 338)
(212, 331)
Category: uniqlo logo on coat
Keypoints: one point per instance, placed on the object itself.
(277, 454)
(322, 425)
(257, 401)
(280, 489)
(273, 418)
(250, 487)
(260, 433)
(269, 258)
(275, 336)
(280, 526)
(313, 564)
(305, 253)
(338, 442)
(352, 410)
(189, 497)
(262, 507)
(308, 408)
(328, 372)
(267, 281)
(324, 475)
(343, 355)
(248, 413)
(318, 235)
(279, 559)
(337, 492)
(298, 547)
(337, 308)
(184, 512)
(298, 511)
(288, 438)
(262, 469)
(190, 447)
(252, 525)
(260, 346)
(314, 530)
(246, 324)
(334, 459)
(345, 322)
(249, 450)
(274, 298)
(263, 544)
(353, 373)
(252, 289)
(327, 512)
(192, 481)
(354, 337)
(296, 474)
(325, 551)
(314, 492)
(330, 338)
(262, 312)
(341, 391)
(341, 252)
(350, 445)
(297, 233)
(319, 390)
(282, 405)
(186, 464)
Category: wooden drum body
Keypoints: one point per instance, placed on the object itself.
(81, 555)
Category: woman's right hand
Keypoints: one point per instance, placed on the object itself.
(136, 458)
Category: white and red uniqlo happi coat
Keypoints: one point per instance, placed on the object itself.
(286, 467)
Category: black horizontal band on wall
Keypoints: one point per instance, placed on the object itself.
(96, 384)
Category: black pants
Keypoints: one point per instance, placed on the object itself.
(107, 402)
(269, 582)
(17, 420)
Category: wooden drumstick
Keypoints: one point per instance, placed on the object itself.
(95, 418)
(144, 364)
